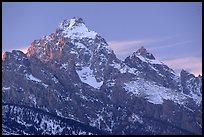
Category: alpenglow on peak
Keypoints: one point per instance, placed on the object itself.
(143, 52)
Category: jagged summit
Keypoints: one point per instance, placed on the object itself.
(78, 19)
(185, 73)
(68, 23)
(142, 55)
(16, 53)
(69, 32)
(143, 52)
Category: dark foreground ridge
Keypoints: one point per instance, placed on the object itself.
(75, 125)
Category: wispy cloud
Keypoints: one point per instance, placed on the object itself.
(124, 48)
(130, 44)
(124, 45)
(181, 43)
(192, 64)
(127, 47)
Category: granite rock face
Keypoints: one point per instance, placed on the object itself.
(73, 74)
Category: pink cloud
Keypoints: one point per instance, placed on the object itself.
(2, 55)
(194, 64)
(24, 50)
(124, 48)
(130, 44)
(181, 43)
(124, 45)
(127, 47)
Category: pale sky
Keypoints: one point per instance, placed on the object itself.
(172, 32)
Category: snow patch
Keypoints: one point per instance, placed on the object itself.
(45, 85)
(73, 52)
(196, 98)
(135, 118)
(59, 113)
(64, 66)
(124, 68)
(31, 77)
(51, 125)
(153, 93)
(33, 99)
(110, 83)
(80, 31)
(141, 58)
(150, 61)
(20, 121)
(72, 21)
(6, 88)
(55, 80)
(154, 61)
(86, 76)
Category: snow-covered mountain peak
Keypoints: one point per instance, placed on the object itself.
(144, 56)
(143, 52)
(75, 28)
